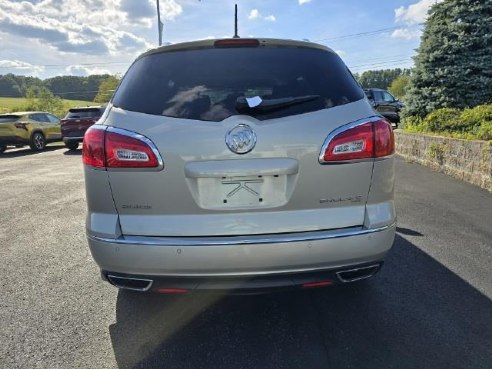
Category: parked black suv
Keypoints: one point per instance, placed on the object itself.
(385, 104)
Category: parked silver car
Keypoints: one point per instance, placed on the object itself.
(239, 164)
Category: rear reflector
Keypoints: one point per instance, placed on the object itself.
(372, 139)
(237, 42)
(172, 290)
(108, 147)
(318, 284)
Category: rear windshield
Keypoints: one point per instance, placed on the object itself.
(204, 84)
(8, 118)
(85, 113)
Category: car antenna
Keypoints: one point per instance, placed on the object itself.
(235, 22)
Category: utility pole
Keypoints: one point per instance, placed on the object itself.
(235, 22)
(160, 26)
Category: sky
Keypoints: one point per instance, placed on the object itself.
(46, 38)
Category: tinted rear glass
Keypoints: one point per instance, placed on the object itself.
(204, 84)
(8, 118)
(84, 113)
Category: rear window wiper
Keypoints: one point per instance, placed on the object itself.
(243, 105)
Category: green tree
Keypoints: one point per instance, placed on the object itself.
(381, 78)
(106, 89)
(75, 87)
(9, 86)
(12, 85)
(399, 86)
(453, 67)
(40, 98)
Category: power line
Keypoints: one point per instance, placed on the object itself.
(360, 34)
(386, 57)
(382, 62)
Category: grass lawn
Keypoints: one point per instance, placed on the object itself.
(9, 103)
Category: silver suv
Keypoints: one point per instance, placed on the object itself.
(239, 164)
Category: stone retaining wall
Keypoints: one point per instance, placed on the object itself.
(467, 160)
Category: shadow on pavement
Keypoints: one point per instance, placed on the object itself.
(415, 314)
(408, 232)
(77, 152)
(26, 151)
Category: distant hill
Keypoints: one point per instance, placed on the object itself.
(67, 87)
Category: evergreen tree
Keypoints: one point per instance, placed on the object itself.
(453, 67)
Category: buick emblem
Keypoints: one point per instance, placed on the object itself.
(241, 139)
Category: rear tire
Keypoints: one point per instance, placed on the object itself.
(37, 142)
(2, 149)
(71, 145)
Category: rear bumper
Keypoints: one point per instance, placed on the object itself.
(243, 284)
(13, 140)
(72, 139)
(241, 257)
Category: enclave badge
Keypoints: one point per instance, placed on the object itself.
(241, 139)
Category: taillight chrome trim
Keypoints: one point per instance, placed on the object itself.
(134, 135)
(144, 139)
(339, 130)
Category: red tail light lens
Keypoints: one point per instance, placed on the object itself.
(128, 152)
(116, 148)
(384, 139)
(93, 148)
(373, 139)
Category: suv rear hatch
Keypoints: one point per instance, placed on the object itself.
(186, 102)
(8, 128)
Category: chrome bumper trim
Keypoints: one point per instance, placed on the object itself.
(242, 240)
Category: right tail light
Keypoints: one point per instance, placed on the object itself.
(358, 141)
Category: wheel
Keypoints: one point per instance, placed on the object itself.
(38, 142)
(72, 145)
(2, 148)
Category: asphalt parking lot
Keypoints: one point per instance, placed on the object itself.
(430, 307)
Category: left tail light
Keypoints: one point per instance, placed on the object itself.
(367, 139)
(108, 147)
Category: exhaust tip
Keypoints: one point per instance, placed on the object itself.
(357, 274)
(128, 283)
